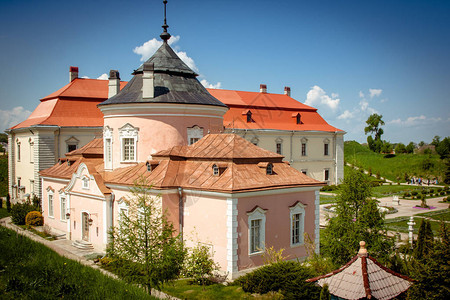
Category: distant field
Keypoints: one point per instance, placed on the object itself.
(400, 224)
(391, 167)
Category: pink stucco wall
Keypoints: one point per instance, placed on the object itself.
(158, 133)
(277, 230)
(205, 221)
(55, 220)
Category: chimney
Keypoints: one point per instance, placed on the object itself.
(114, 83)
(73, 72)
(287, 91)
(263, 88)
(148, 90)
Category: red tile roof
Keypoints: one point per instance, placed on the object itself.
(363, 277)
(75, 104)
(190, 167)
(269, 111)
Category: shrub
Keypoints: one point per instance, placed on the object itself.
(199, 264)
(414, 193)
(34, 218)
(19, 212)
(442, 193)
(8, 203)
(1, 202)
(406, 194)
(287, 277)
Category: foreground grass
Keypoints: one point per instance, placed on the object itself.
(391, 167)
(185, 290)
(29, 270)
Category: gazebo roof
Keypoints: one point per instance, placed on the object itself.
(364, 278)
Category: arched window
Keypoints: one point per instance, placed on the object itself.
(269, 169)
(299, 118)
(249, 117)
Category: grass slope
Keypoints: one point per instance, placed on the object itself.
(29, 270)
(391, 167)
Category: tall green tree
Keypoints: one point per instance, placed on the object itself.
(374, 123)
(146, 241)
(357, 218)
(410, 148)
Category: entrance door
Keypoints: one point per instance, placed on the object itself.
(86, 227)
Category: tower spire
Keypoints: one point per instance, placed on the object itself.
(165, 35)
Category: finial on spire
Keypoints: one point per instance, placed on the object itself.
(362, 249)
(165, 35)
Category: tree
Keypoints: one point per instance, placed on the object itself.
(357, 218)
(443, 148)
(3, 138)
(436, 140)
(374, 123)
(421, 144)
(146, 240)
(400, 148)
(410, 148)
(424, 239)
(386, 147)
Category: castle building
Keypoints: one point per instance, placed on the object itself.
(165, 127)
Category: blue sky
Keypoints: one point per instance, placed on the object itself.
(346, 58)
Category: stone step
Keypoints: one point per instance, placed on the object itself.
(83, 245)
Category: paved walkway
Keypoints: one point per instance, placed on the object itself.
(64, 248)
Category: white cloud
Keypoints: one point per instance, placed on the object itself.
(208, 85)
(375, 92)
(85, 77)
(361, 94)
(317, 95)
(10, 118)
(346, 115)
(187, 60)
(363, 104)
(104, 76)
(415, 121)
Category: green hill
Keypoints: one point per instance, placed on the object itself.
(392, 166)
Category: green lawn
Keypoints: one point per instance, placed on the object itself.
(184, 290)
(325, 199)
(400, 224)
(392, 167)
(29, 270)
(437, 215)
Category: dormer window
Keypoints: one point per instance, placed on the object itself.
(85, 182)
(269, 169)
(149, 167)
(248, 113)
(298, 118)
(215, 170)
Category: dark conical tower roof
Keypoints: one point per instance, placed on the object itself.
(174, 82)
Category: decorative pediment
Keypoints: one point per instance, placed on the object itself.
(195, 132)
(326, 141)
(72, 141)
(257, 211)
(128, 131)
(107, 132)
(279, 140)
(304, 140)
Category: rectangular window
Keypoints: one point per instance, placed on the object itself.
(128, 149)
(278, 148)
(71, 148)
(296, 229)
(50, 205)
(85, 183)
(325, 149)
(108, 156)
(31, 152)
(326, 175)
(303, 149)
(63, 208)
(193, 140)
(255, 236)
(18, 152)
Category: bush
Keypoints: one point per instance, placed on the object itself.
(19, 212)
(199, 264)
(442, 193)
(287, 277)
(8, 203)
(34, 218)
(406, 194)
(414, 193)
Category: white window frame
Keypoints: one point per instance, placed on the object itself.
(257, 214)
(216, 171)
(63, 208)
(107, 145)
(269, 169)
(18, 150)
(72, 141)
(51, 204)
(128, 131)
(85, 180)
(297, 209)
(325, 173)
(194, 134)
(304, 141)
(326, 145)
(31, 150)
(279, 141)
